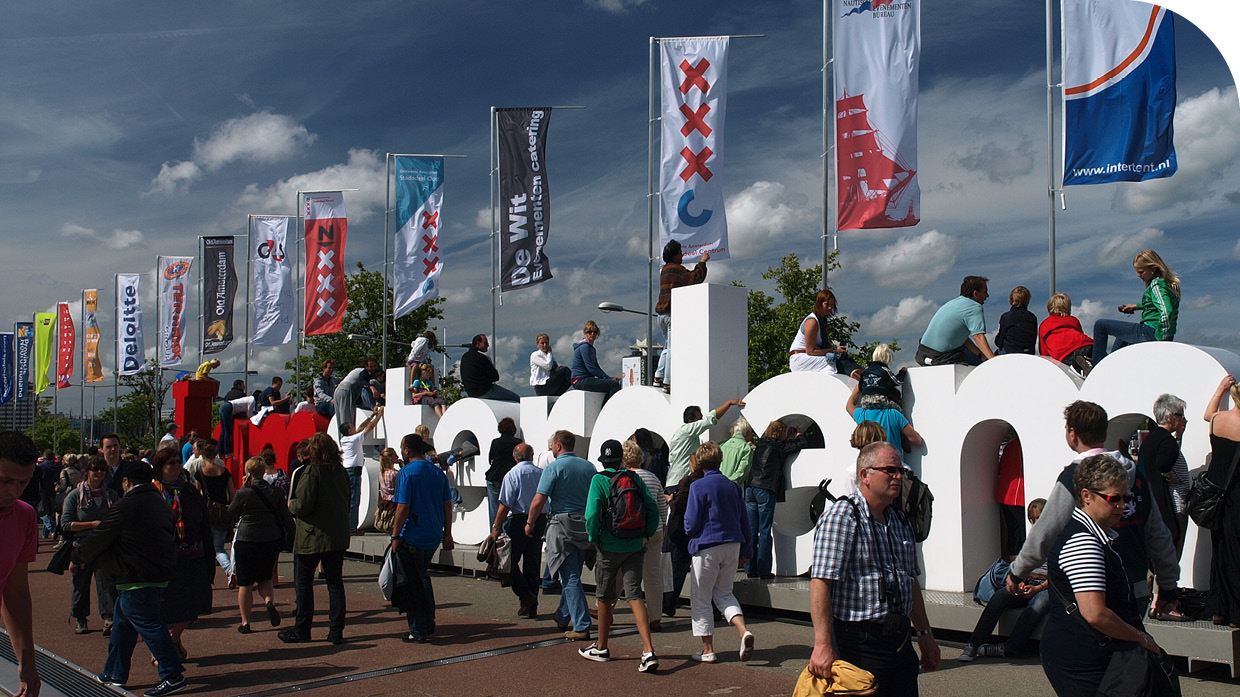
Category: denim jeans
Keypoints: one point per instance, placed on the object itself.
(605, 385)
(1124, 333)
(137, 614)
(493, 500)
(421, 611)
(219, 537)
(500, 394)
(1035, 609)
(355, 494)
(305, 566)
(226, 429)
(572, 609)
(664, 369)
(760, 505)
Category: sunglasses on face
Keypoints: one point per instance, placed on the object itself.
(1114, 499)
(97, 469)
(892, 470)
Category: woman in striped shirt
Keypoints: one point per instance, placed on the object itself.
(1092, 609)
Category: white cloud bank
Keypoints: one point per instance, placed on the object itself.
(914, 261)
(365, 170)
(909, 316)
(1120, 249)
(117, 239)
(762, 214)
(261, 137)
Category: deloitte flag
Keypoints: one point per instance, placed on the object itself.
(525, 201)
(130, 345)
(1119, 92)
(25, 346)
(418, 262)
(219, 285)
(6, 367)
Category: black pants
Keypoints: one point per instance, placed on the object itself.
(891, 659)
(557, 384)
(1013, 519)
(80, 599)
(526, 555)
(304, 568)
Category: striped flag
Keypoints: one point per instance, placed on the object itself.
(67, 342)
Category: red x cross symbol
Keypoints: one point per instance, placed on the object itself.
(430, 221)
(696, 164)
(695, 120)
(432, 243)
(693, 76)
(430, 266)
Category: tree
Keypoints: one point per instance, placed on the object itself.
(137, 412)
(66, 439)
(364, 317)
(772, 325)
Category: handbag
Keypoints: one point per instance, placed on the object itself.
(991, 581)
(1206, 499)
(385, 516)
(287, 536)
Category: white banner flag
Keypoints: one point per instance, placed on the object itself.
(877, 54)
(418, 261)
(130, 346)
(272, 301)
(173, 289)
(694, 89)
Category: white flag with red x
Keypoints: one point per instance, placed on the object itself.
(694, 88)
(419, 253)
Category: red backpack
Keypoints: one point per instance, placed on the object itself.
(626, 507)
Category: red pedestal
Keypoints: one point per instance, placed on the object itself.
(193, 399)
(281, 431)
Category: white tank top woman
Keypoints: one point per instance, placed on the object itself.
(799, 361)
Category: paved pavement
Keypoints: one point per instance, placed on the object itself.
(481, 648)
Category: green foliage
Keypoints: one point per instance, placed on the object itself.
(137, 412)
(773, 322)
(54, 434)
(364, 317)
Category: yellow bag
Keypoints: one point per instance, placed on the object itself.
(846, 679)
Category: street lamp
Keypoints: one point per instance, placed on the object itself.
(617, 307)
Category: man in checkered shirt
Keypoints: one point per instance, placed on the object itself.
(863, 586)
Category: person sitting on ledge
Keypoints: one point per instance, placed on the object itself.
(1018, 327)
(547, 376)
(1159, 306)
(947, 338)
(1060, 335)
(587, 374)
(478, 374)
(812, 350)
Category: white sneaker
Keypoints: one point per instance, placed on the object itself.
(649, 663)
(747, 646)
(594, 653)
(705, 657)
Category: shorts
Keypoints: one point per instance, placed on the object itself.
(627, 565)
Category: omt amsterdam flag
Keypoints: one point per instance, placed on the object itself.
(877, 58)
(90, 336)
(65, 346)
(1119, 92)
(327, 227)
(694, 89)
(44, 327)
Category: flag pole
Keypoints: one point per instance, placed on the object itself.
(299, 289)
(651, 119)
(494, 138)
(82, 390)
(387, 217)
(1050, 134)
(829, 233)
(249, 283)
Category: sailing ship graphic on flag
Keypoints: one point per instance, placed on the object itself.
(877, 53)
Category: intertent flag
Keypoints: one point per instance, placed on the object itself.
(25, 349)
(90, 336)
(1119, 92)
(6, 367)
(327, 229)
(418, 260)
(66, 344)
(219, 289)
(525, 197)
(273, 301)
(44, 328)
(173, 287)
(877, 58)
(694, 90)
(130, 344)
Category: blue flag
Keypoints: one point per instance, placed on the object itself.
(25, 349)
(7, 376)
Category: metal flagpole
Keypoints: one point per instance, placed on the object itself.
(202, 299)
(116, 372)
(387, 217)
(1050, 132)
(652, 118)
(82, 391)
(249, 283)
(494, 137)
(828, 136)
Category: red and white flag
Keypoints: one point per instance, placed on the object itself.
(174, 280)
(64, 351)
(877, 53)
(327, 227)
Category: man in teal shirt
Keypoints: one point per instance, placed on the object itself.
(618, 557)
(947, 337)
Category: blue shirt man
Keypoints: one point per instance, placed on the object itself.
(423, 521)
(947, 337)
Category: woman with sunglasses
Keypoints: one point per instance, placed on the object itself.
(1093, 611)
(84, 506)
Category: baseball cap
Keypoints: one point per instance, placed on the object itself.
(611, 452)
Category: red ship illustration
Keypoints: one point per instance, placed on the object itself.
(873, 177)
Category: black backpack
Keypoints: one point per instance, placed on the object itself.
(625, 516)
(917, 504)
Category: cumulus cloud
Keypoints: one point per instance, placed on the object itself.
(1200, 303)
(1120, 249)
(999, 163)
(483, 219)
(1090, 311)
(459, 296)
(914, 261)
(365, 170)
(574, 287)
(909, 316)
(1235, 251)
(117, 239)
(261, 137)
(1207, 143)
(616, 6)
(763, 213)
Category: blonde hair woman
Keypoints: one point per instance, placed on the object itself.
(1159, 306)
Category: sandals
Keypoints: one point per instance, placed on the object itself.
(1172, 616)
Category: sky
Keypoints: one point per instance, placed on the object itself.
(128, 131)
